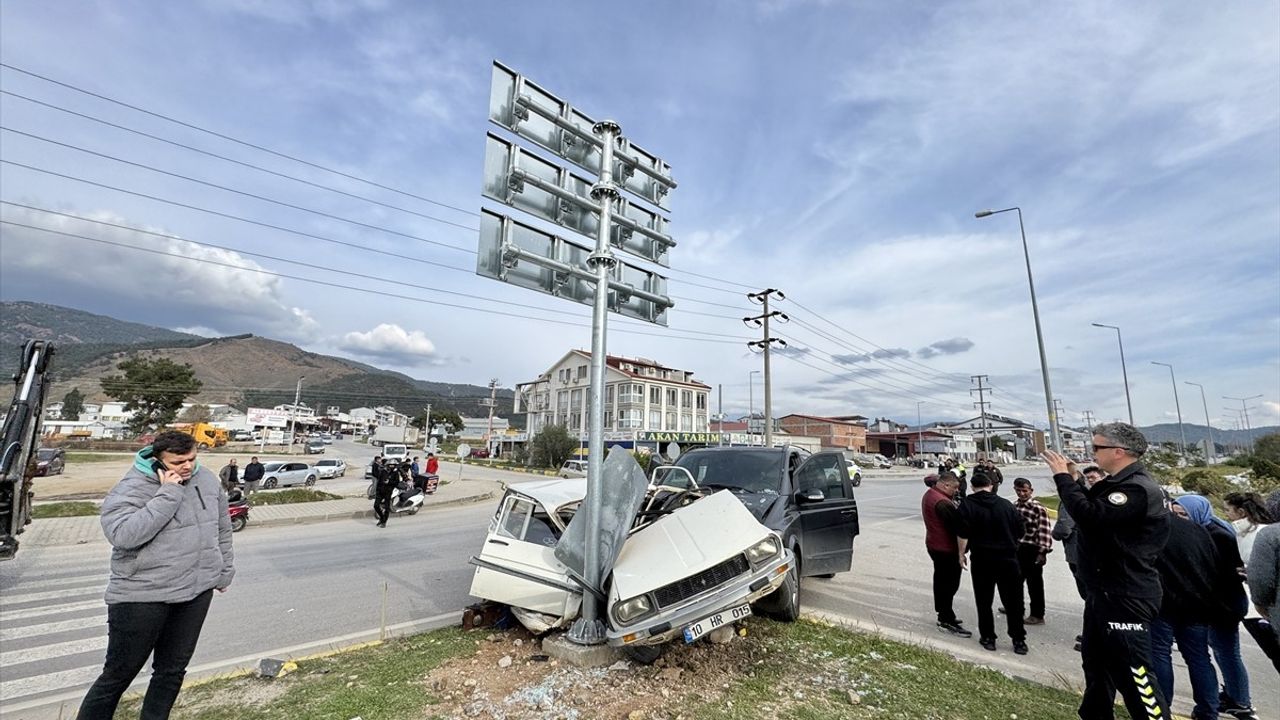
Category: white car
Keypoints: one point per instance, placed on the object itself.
(331, 468)
(855, 473)
(699, 565)
(284, 474)
(573, 469)
(395, 452)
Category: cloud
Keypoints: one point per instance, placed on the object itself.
(390, 342)
(880, 354)
(791, 350)
(954, 346)
(164, 281)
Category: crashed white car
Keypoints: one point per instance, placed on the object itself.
(690, 563)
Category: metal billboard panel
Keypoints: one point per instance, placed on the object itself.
(520, 179)
(527, 257)
(521, 106)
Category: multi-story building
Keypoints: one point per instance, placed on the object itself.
(639, 395)
(834, 433)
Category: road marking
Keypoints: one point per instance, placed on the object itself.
(12, 633)
(47, 682)
(7, 616)
(45, 652)
(96, 589)
(86, 579)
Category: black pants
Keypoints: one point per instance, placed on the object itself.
(1116, 655)
(382, 502)
(1075, 573)
(1266, 638)
(992, 571)
(1033, 576)
(135, 630)
(946, 581)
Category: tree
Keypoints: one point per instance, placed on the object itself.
(997, 444)
(445, 417)
(152, 389)
(72, 405)
(196, 413)
(552, 446)
(1266, 457)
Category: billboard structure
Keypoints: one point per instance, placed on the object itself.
(598, 184)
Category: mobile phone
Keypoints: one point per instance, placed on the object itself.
(157, 466)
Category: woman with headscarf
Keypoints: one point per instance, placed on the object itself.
(1248, 514)
(1224, 637)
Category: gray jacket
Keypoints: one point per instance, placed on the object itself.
(1064, 530)
(1264, 573)
(170, 543)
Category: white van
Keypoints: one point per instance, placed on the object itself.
(395, 452)
(573, 469)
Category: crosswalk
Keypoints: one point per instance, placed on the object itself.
(53, 629)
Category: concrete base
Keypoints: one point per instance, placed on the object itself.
(559, 647)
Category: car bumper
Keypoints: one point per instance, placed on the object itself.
(671, 622)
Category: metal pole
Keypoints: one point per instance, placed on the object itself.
(751, 401)
(919, 432)
(1212, 451)
(589, 629)
(1177, 405)
(293, 411)
(1123, 369)
(768, 396)
(1055, 440)
(1244, 411)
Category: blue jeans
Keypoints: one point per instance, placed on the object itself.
(1193, 645)
(1225, 641)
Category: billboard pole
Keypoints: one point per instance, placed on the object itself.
(588, 629)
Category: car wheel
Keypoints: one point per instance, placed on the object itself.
(204, 446)
(270, 483)
(237, 524)
(311, 480)
(643, 654)
(825, 576)
(857, 480)
(369, 492)
(62, 469)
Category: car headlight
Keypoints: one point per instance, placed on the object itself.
(765, 550)
(628, 611)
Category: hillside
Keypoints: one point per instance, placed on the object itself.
(22, 321)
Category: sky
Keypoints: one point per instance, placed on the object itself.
(310, 171)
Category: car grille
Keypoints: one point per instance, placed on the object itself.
(702, 582)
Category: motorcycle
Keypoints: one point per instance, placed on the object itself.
(427, 483)
(238, 509)
(407, 498)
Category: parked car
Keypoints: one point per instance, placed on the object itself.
(573, 469)
(326, 438)
(855, 473)
(241, 436)
(50, 461)
(313, 447)
(878, 461)
(481, 453)
(331, 468)
(284, 474)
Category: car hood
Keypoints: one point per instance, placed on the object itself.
(686, 542)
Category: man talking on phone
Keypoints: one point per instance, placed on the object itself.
(170, 535)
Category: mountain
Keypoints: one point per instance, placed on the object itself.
(240, 370)
(1197, 434)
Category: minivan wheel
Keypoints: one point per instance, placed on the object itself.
(643, 654)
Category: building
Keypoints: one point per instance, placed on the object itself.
(639, 395)
(833, 433)
(381, 416)
(477, 429)
(1023, 438)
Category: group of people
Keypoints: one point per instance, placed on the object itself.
(232, 479)
(388, 476)
(1152, 571)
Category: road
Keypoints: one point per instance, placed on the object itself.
(300, 589)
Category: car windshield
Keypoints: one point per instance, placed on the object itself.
(46, 454)
(757, 471)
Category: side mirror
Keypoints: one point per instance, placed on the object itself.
(810, 496)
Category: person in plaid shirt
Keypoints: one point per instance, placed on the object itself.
(1035, 546)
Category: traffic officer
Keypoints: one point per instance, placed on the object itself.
(1123, 526)
(384, 481)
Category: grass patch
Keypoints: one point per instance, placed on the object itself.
(78, 508)
(1049, 501)
(93, 457)
(291, 495)
(382, 682)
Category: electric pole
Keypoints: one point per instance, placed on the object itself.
(492, 403)
(1057, 408)
(763, 345)
(1244, 410)
(426, 442)
(982, 409)
(293, 411)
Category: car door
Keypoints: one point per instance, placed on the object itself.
(827, 526)
(294, 474)
(517, 563)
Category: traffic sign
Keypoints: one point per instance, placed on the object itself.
(464, 450)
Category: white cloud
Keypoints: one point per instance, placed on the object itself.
(390, 342)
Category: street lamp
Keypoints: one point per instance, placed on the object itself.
(919, 432)
(293, 411)
(1176, 404)
(1244, 410)
(751, 401)
(1212, 450)
(1123, 369)
(1054, 439)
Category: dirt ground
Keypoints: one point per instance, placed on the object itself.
(92, 480)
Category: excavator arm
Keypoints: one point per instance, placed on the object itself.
(18, 441)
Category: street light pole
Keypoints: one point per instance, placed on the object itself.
(1124, 370)
(1212, 450)
(1244, 411)
(1055, 440)
(1177, 404)
(751, 401)
(293, 411)
(919, 431)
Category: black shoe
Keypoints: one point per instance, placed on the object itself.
(1020, 647)
(987, 643)
(382, 524)
(1077, 646)
(955, 628)
(1230, 707)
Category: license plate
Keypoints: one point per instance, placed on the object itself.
(720, 619)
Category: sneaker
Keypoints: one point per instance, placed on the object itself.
(1033, 620)
(1020, 647)
(1230, 707)
(955, 628)
(1077, 647)
(382, 524)
(987, 643)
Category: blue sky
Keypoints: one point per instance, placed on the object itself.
(836, 150)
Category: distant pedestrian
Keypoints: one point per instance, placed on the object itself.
(415, 468)
(385, 477)
(1033, 548)
(230, 476)
(170, 540)
(433, 464)
(990, 527)
(941, 523)
(1248, 515)
(253, 473)
(1123, 526)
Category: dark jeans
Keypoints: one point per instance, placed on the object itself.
(1193, 645)
(1116, 655)
(1224, 639)
(135, 630)
(382, 502)
(1033, 575)
(946, 581)
(992, 571)
(1266, 637)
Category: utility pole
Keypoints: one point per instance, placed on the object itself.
(1057, 407)
(426, 442)
(720, 411)
(982, 409)
(492, 402)
(293, 411)
(764, 344)
(919, 432)
(1088, 418)
(1244, 410)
